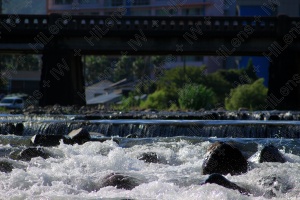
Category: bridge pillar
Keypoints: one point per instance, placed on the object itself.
(62, 79)
(284, 71)
(284, 82)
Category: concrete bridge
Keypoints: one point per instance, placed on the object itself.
(62, 39)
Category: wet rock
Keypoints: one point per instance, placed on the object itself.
(6, 166)
(132, 136)
(221, 180)
(243, 109)
(46, 140)
(33, 152)
(8, 129)
(271, 154)
(149, 157)
(19, 129)
(120, 181)
(224, 158)
(79, 136)
(274, 117)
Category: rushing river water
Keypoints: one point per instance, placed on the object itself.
(77, 171)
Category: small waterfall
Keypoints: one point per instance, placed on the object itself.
(279, 125)
(163, 128)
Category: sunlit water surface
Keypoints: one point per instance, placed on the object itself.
(76, 172)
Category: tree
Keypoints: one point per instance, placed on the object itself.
(219, 85)
(247, 95)
(195, 97)
(97, 68)
(251, 71)
(157, 100)
(20, 62)
(175, 77)
(141, 67)
(123, 68)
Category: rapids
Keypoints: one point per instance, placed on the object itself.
(77, 171)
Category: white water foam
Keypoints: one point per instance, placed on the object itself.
(76, 172)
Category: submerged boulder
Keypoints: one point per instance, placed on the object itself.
(33, 152)
(46, 140)
(275, 185)
(5, 166)
(120, 181)
(224, 158)
(7, 129)
(271, 154)
(149, 157)
(19, 129)
(221, 180)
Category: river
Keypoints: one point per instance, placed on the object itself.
(77, 171)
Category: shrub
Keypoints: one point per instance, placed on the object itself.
(157, 100)
(130, 102)
(193, 96)
(248, 95)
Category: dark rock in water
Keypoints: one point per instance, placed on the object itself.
(46, 140)
(120, 181)
(271, 154)
(221, 180)
(79, 136)
(243, 109)
(224, 158)
(149, 157)
(19, 129)
(8, 129)
(33, 152)
(131, 136)
(274, 117)
(6, 166)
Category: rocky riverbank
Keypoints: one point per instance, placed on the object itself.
(98, 112)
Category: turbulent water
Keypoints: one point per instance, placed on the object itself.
(77, 171)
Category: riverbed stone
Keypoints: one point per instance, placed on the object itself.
(221, 180)
(19, 129)
(224, 158)
(149, 157)
(120, 181)
(5, 166)
(46, 140)
(271, 154)
(79, 136)
(33, 152)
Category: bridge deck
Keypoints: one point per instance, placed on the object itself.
(142, 34)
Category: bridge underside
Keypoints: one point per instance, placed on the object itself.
(62, 79)
(151, 46)
(63, 38)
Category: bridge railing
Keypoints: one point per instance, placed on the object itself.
(174, 23)
(148, 23)
(72, 24)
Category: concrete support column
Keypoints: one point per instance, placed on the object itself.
(284, 82)
(284, 71)
(62, 79)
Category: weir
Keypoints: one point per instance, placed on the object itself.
(137, 128)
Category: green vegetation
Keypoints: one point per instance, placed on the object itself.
(191, 88)
(247, 95)
(10, 63)
(196, 97)
(130, 102)
(157, 100)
